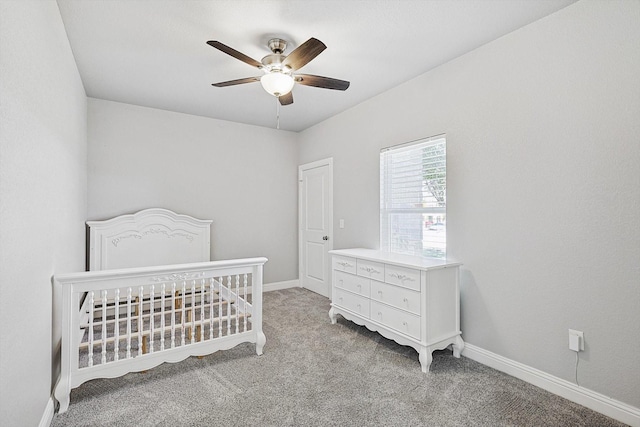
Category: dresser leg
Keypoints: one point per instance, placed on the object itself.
(425, 358)
(458, 346)
(332, 316)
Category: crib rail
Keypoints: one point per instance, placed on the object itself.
(120, 321)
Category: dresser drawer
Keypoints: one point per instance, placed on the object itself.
(401, 321)
(356, 303)
(343, 263)
(371, 269)
(355, 284)
(396, 296)
(402, 276)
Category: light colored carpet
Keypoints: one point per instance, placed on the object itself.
(313, 373)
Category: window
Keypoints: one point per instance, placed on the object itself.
(413, 214)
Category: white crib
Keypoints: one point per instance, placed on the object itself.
(121, 320)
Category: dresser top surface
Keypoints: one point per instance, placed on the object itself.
(403, 260)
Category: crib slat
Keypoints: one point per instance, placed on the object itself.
(202, 304)
(173, 315)
(218, 305)
(152, 313)
(182, 319)
(103, 328)
(116, 330)
(193, 312)
(129, 323)
(91, 307)
(211, 308)
(140, 324)
(237, 299)
(244, 297)
(162, 316)
(229, 287)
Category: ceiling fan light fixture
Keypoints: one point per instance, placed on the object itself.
(277, 83)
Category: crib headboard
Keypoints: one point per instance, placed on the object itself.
(147, 238)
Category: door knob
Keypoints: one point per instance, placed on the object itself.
(325, 238)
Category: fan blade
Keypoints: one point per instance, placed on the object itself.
(238, 55)
(323, 82)
(236, 82)
(304, 53)
(286, 99)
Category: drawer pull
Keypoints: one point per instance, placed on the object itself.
(380, 314)
(404, 323)
(359, 306)
(380, 293)
(344, 264)
(359, 286)
(370, 270)
(401, 277)
(406, 300)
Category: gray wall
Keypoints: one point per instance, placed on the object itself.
(242, 177)
(543, 136)
(43, 174)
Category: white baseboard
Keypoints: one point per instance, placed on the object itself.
(47, 416)
(580, 395)
(276, 286)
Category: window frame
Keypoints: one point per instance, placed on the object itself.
(389, 241)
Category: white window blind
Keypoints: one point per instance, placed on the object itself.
(413, 181)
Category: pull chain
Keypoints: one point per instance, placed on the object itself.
(277, 113)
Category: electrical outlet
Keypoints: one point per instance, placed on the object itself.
(342, 223)
(576, 340)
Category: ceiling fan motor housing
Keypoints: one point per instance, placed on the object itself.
(277, 45)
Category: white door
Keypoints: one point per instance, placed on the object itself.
(315, 211)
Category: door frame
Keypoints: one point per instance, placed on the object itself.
(308, 166)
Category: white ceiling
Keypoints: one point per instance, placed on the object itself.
(154, 53)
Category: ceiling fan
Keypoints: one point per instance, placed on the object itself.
(280, 70)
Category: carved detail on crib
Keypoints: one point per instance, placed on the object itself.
(117, 240)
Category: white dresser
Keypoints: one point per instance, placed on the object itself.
(412, 300)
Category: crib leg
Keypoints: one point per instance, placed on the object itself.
(260, 342)
(145, 345)
(198, 329)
